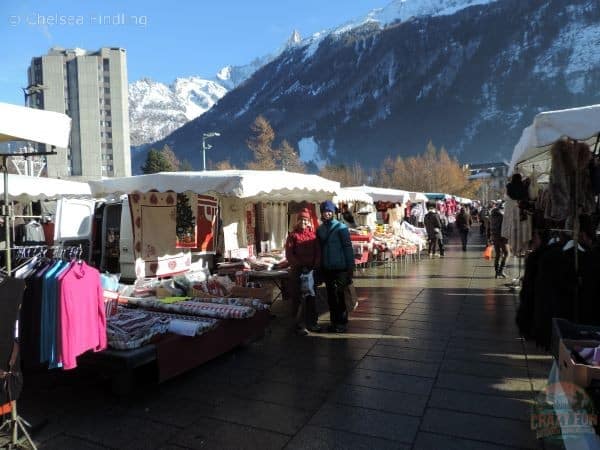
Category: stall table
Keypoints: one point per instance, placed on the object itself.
(277, 277)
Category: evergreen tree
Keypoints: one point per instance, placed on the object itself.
(156, 162)
(185, 220)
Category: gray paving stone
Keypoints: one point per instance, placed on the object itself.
(464, 342)
(379, 399)
(486, 356)
(496, 406)
(267, 416)
(442, 334)
(319, 438)
(216, 434)
(412, 342)
(507, 387)
(412, 354)
(367, 421)
(373, 326)
(417, 324)
(430, 441)
(307, 378)
(296, 396)
(405, 367)
(63, 442)
(317, 363)
(390, 381)
(483, 369)
(483, 428)
(505, 335)
(120, 431)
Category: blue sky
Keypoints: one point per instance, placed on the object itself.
(165, 39)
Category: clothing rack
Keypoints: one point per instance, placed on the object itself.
(6, 208)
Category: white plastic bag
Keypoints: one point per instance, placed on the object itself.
(307, 284)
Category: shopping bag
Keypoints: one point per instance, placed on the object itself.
(487, 253)
(350, 298)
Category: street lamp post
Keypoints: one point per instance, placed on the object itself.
(206, 146)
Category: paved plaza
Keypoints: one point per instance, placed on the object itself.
(431, 360)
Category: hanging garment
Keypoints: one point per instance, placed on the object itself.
(49, 325)
(34, 233)
(82, 313)
(562, 292)
(570, 161)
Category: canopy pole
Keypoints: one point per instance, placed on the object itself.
(6, 215)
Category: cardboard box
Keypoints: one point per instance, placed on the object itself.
(571, 371)
(264, 294)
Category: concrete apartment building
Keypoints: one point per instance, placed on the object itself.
(91, 88)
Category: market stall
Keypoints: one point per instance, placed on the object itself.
(392, 240)
(417, 208)
(254, 207)
(245, 227)
(358, 212)
(551, 215)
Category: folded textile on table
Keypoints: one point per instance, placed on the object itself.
(204, 323)
(197, 308)
(129, 329)
(237, 301)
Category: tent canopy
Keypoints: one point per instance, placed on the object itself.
(345, 195)
(254, 185)
(18, 123)
(416, 197)
(382, 194)
(437, 196)
(577, 123)
(24, 188)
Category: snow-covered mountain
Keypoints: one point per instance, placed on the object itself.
(467, 74)
(157, 109)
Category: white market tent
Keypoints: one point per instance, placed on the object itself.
(345, 195)
(252, 185)
(25, 188)
(383, 194)
(417, 197)
(18, 123)
(533, 148)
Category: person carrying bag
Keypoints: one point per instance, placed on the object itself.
(303, 252)
(337, 265)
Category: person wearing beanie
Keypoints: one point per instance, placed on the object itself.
(303, 252)
(337, 264)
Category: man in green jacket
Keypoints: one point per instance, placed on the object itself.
(337, 264)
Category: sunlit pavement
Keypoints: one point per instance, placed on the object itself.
(431, 360)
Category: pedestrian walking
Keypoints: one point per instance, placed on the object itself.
(433, 226)
(484, 226)
(499, 241)
(303, 252)
(337, 264)
(463, 225)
